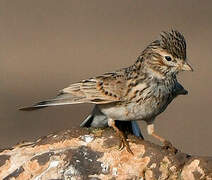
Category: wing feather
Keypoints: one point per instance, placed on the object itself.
(100, 90)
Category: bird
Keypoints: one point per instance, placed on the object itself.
(139, 92)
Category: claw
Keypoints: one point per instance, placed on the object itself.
(123, 140)
(121, 145)
(125, 143)
(128, 149)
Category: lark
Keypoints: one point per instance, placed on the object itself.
(139, 92)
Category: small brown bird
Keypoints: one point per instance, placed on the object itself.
(139, 92)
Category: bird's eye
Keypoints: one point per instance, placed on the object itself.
(168, 58)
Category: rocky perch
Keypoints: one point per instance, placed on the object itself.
(93, 154)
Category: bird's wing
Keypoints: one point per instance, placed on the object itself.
(107, 88)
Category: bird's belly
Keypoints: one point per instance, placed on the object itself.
(132, 111)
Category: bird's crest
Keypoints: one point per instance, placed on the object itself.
(175, 43)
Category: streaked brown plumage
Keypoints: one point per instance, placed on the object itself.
(139, 92)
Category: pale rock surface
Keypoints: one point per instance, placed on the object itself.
(93, 154)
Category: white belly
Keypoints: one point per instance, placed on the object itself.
(131, 111)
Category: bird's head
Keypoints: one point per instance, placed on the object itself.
(167, 56)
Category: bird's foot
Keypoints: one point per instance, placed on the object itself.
(128, 149)
(168, 146)
(121, 145)
(122, 136)
(124, 143)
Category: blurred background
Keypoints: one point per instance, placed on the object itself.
(47, 45)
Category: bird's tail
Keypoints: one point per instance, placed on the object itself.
(61, 99)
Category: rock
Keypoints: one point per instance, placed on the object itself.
(93, 154)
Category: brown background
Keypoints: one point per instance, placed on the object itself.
(46, 45)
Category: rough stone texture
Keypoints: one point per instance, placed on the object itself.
(93, 154)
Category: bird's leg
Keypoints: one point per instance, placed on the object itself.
(123, 140)
(151, 129)
(167, 144)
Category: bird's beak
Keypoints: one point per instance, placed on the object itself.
(186, 67)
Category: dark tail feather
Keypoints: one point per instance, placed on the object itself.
(95, 119)
(31, 108)
(37, 106)
(87, 122)
(61, 99)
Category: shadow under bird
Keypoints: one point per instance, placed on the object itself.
(139, 92)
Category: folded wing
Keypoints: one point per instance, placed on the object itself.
(107, 88)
